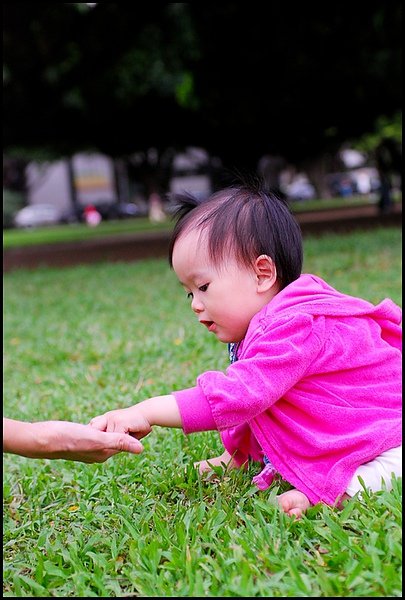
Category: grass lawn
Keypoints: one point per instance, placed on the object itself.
(79, 341)
(77, 231)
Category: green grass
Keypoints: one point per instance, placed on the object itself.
(78, 231)
(83, 340)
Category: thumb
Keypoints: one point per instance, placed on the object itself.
(125, 443)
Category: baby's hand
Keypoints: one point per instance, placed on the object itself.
(225, 460)
(127, 420)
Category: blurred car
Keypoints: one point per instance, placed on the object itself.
(300, 189)
(119, 210)
(123, 210)
(37, 215)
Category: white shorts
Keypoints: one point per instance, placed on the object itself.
(376, 471)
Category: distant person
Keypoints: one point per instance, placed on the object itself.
(92, 216)
(269, 168)
(313, 392)
(63, 439)
(156, 212)
(388, 157)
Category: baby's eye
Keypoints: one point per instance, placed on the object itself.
(203, 288)
(190, 295)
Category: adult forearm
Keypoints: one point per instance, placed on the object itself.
(21, 438)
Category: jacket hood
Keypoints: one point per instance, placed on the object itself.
(314, 296)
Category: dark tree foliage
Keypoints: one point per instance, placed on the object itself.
(295, 79)
(109, 78)
(240, 80)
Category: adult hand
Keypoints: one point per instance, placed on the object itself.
(66, 440)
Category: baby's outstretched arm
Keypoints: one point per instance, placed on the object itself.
(139, 419)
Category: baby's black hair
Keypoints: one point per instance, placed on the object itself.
(244, 222)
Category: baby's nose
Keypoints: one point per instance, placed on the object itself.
(196, 305)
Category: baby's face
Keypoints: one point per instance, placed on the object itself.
(224, 298)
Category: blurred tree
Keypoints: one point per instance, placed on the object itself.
(241, 81)
(112, 77)
(295, 81)
(384, 146)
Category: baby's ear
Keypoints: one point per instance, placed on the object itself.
(266, 273)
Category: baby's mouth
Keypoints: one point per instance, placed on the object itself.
(208, 324)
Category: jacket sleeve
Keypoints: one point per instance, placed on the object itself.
(272, 361)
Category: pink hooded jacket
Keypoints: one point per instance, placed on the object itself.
(316, 388)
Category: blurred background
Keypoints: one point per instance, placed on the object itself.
(109, 107)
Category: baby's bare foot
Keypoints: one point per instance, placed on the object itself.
(294, 503)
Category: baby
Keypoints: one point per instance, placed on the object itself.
(313, 391)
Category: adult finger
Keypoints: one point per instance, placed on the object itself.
(124, 443)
